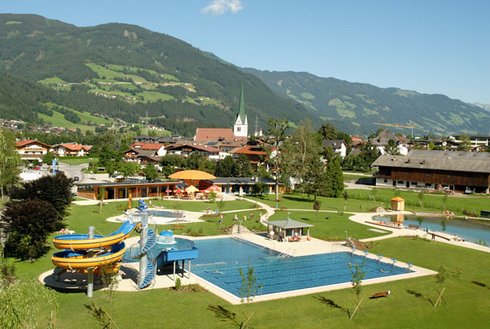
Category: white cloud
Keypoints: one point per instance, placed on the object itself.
(220, 7)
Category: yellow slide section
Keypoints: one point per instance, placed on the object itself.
(82, 260)
(82, 241)
(82, 253)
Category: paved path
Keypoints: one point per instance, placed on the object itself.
(366, 218)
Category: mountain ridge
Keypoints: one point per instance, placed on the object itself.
(362, 107)
(130, 72)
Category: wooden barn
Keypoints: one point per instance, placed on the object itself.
(449, 170)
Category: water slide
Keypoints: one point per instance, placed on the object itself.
(82, 253)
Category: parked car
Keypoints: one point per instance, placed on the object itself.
(76, 178)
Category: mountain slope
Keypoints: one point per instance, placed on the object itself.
(154, 74)
(363, 108)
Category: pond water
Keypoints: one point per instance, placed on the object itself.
(468, 230)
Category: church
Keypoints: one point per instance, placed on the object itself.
(239, 132)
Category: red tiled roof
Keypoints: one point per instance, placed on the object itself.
(249, 149)
(147, 146)
(73, 147)
(213, 134)
(25, 142)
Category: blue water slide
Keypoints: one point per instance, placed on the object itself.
(149, 275)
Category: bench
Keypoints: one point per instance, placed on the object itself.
(380, 294)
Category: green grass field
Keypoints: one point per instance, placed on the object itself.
(365, 200)
(410, 304)
(58, 119)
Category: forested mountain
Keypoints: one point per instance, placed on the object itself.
(129, 72)
(363, 108)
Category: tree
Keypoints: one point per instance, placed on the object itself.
(225, 167)
(242, 166)
(335, 178)
(316, 182)
(259, 188)
(421, 196)
(129, 168)
(170, 163)
(150, 172)
(28, 225)
(302, 156)
(276, 136)
(357, 275)
(55, 190)
(9, 162)
(249, 287)
(316, 206)
(22, 302)
(391, 148)
(328, 131)
(100, 197)
(441, 278)
(48, 158)
(465, 144)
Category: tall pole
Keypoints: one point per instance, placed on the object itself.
(90, 277)
(143, 236)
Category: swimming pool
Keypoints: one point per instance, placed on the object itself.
(470, 231)
(220, 260)
(166, 213)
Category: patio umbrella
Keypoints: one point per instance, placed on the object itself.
(213, 188)
(191, 189)
(191, 177)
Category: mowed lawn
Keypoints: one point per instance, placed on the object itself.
(365, 200)
(409, 305)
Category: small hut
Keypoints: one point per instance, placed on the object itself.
(398, 204)
(289, 229)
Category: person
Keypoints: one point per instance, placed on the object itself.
(279, 238)
(220, 220)
(236, 217)
(433, 237)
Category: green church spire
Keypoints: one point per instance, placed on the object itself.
(242, 113)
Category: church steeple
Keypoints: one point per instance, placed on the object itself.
(240, 129)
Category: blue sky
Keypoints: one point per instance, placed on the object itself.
(431, 46)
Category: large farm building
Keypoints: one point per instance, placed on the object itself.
(460, 171)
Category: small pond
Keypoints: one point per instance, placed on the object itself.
(470, 231)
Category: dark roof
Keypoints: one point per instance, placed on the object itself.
(333, 143)
(383, 138)
(130, 182)
(202, 148)
(438, 160)
(241, 180)
(288, 223)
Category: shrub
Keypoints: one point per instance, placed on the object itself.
(28, 225)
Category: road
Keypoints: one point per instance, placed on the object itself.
(73, 170)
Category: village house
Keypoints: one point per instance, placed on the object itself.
(32, 150)
(187, 149)
(338, 146)
(254, 152)
(71, 149)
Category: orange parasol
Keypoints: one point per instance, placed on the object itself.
(191, 189)
(191, 176)
(213, 188)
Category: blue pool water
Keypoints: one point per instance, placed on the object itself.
(220, 260)
(468, 230)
